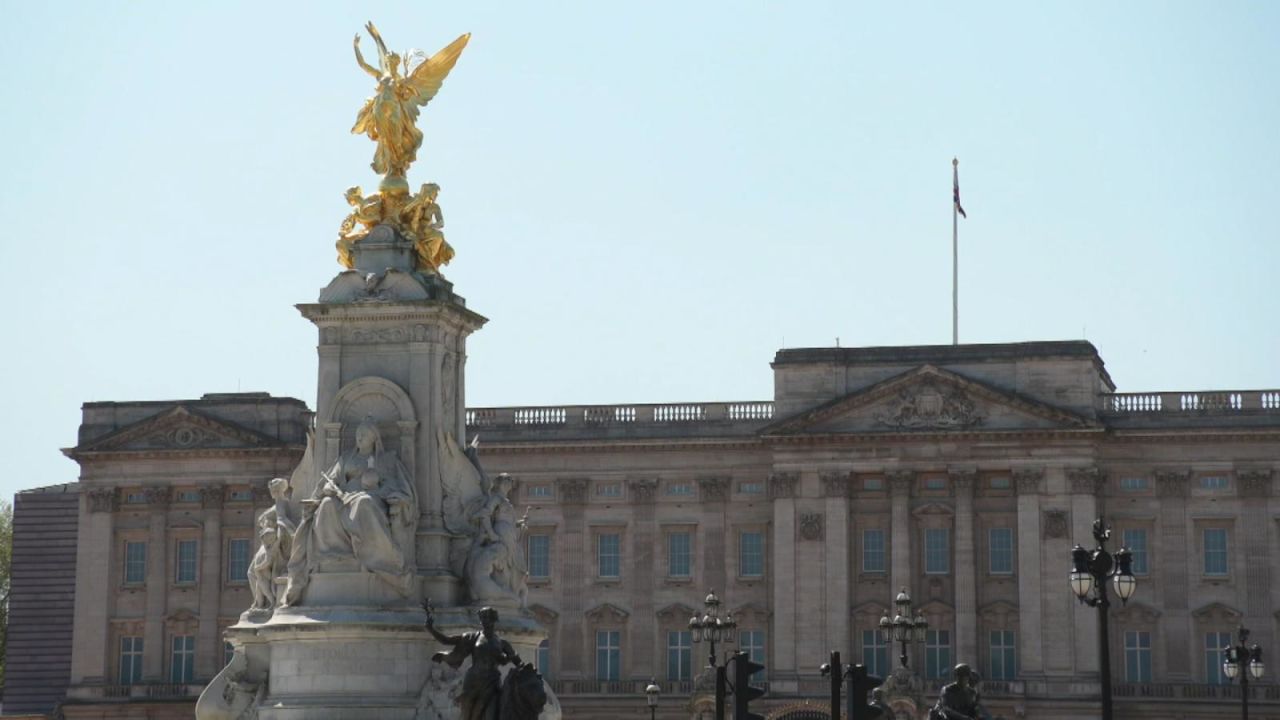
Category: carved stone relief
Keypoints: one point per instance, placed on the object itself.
(1085, 481)
(1255, 483)
(211, 496)
(1028, 480)
(572, 490)
(930, 406)
(1056, 524)
(103, 500)
(783, 484)
(713, 488)
(642, 489)
(901, 482)
(369, 336)
(158, 496)
(811, 526)
(835, 484)
(1173, 484)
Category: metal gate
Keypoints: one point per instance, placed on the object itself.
(802, 712)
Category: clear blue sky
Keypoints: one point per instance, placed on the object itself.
(647, 199)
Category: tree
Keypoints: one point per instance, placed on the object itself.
(6, 564)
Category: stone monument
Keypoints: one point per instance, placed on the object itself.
(387, 510)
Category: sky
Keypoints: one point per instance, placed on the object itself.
(647, 200)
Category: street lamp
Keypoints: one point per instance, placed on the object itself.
(651, 696)
(711, 627)
(1237, 655)
(1089, 574)
(902, 628)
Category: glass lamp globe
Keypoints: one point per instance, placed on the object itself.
(1125, 586)
(1230, 668)
(651, 693)
(1256, 669)
(1081, 583)
(921, 625)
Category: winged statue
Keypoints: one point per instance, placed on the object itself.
(389, 117)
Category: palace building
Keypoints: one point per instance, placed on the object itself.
(964, 474)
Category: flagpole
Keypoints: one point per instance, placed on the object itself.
(955, 257)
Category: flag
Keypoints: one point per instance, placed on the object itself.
(955, 194)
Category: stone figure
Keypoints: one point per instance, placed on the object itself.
(483, 695)
(365, 213)
(478, 512)
(365, 508)
(275, 533)
(422, 221)
(959, 700)
(234, 693)
(389, 118)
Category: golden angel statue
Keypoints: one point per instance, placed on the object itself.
(389, 117)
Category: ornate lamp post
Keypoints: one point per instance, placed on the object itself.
(1237, 656)
(902, 628)
(1089, 574)
(651, 696)
(711, 627)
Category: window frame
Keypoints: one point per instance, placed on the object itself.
(883, 551)
(124, 569)
(1140, 653)
(183, 673)
(930, 553)
(992, 550)
(612, 654)
(741, 554)
(243, 578)
(178, 578)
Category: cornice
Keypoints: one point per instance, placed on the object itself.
(94, 455)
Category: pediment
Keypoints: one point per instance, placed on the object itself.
(929, 399)
(544, 614)
(752, 610)
(178, 429)
(1217, 613)
(606, 612)
(869, 609)
(998, 611)
(677, 611)
(1137, 613)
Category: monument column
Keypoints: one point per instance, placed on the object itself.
(645, 544)
(836, 490)
(154, 649)
(900, 483)
(208, 642)
(782, 492)
(1028, 482)
(966, 569)
(95, 544)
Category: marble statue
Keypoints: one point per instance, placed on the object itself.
(959, 700)
(389, 118)
(484, 695)
(486, 551)
(365, 507)
(275, 532)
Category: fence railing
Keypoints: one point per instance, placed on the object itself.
(138, 691)
(754, 411)
(1193, 691)
(1189, 403)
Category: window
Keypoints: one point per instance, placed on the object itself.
(136, 497)
(540, 556)
(937, 553)
(1136, 540)
(1215, 552)
(684, 489)
(130, 660)
(135, 562)
(935, 483)
(182, 659)
(539, 491)
(1215, 645)
(609, 555)
(1137, 656)
(1213, 482)
(752, 643)
(543, 659)
(873, 551)
(751, 488)
(873, 483)
(238, 560)
(241, 495)
(608, 654)
(937, 653)
(189, 496)
(999, 483)
(1133, 483)
(1000, 551)
(185, 567)
(609, 490)
(679, 655)
(1003, 655)
(751, 554)
(875, 653)
(679, 554)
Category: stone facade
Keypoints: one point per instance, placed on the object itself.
(964, 473)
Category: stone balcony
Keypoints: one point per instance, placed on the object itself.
(141, 691)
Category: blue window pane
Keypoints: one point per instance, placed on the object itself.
(680, 554)
(937, 551)
(608, 654)
(540, 556)
(135, 562)
(875, 653)
(751, 554)
(237, 559)
(1136, 541)
(130, 660)
(1001, 551)
(1215, 551)
(679, 655)
(873, 551)
(1002, 654)
(182, 659)
(185, 567)
(609, 555)
(937, 653)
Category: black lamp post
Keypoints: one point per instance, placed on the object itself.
(711, 627)
(1089, 574)
(651, 696)
(902, 628)
(1238, 656)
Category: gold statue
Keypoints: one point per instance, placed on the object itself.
(389, 117)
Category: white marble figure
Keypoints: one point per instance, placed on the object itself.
(364, 507)
(486, 551)
(275, 530)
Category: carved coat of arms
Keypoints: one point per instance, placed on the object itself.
(930, 407)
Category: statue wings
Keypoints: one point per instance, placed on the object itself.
(425, 79)
(463, 484)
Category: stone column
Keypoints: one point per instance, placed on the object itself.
(1030, 627)
(836, 490)
(1175, 622)
(1255, 494)
(646, 541)
(154, 650)
(573, 494)
(713, 493)
(91, 661)
(966, 569)
(208, 642)
(782, 491)
(900, 517)
(1086, 486)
